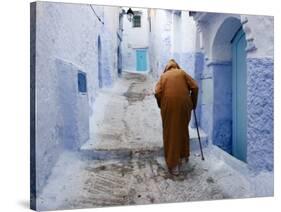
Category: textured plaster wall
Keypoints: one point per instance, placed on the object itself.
(66, 42)
(260, 78)
(260, 113)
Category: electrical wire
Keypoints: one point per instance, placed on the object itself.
(96, 14)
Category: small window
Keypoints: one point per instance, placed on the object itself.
(137, 21)
(82, 82)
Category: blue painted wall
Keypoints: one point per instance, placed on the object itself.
(260, 113)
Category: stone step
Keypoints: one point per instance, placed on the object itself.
(103, 154)
(114, 139)
(194, 141)
(116, 152)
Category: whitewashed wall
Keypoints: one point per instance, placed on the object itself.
(66, 42)
(173, 35)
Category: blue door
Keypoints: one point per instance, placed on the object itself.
(239, 97)
(141, 59)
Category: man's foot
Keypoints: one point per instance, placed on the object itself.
(183, 163)
(175, 171)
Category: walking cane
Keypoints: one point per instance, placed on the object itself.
(202, 156)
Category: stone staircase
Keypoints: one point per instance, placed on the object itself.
(94, 151)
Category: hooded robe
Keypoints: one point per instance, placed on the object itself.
(176, 94)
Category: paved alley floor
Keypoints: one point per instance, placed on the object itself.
(123, 164)
(79, 182)
(127, 117)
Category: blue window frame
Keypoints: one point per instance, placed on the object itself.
(82, 82)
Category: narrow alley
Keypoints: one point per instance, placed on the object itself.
(96, 129)
(123, 163)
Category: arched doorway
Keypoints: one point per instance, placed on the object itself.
(239, 96)
(229, 84)
(99, 63)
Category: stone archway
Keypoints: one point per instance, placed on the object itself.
(224, 83)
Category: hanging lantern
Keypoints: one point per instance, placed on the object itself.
(130, 14)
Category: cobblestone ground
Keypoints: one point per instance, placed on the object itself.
(122, 163)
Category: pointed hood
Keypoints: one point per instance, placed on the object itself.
(171, 64)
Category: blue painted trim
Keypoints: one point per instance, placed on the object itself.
(239, 97)
(218, 62)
